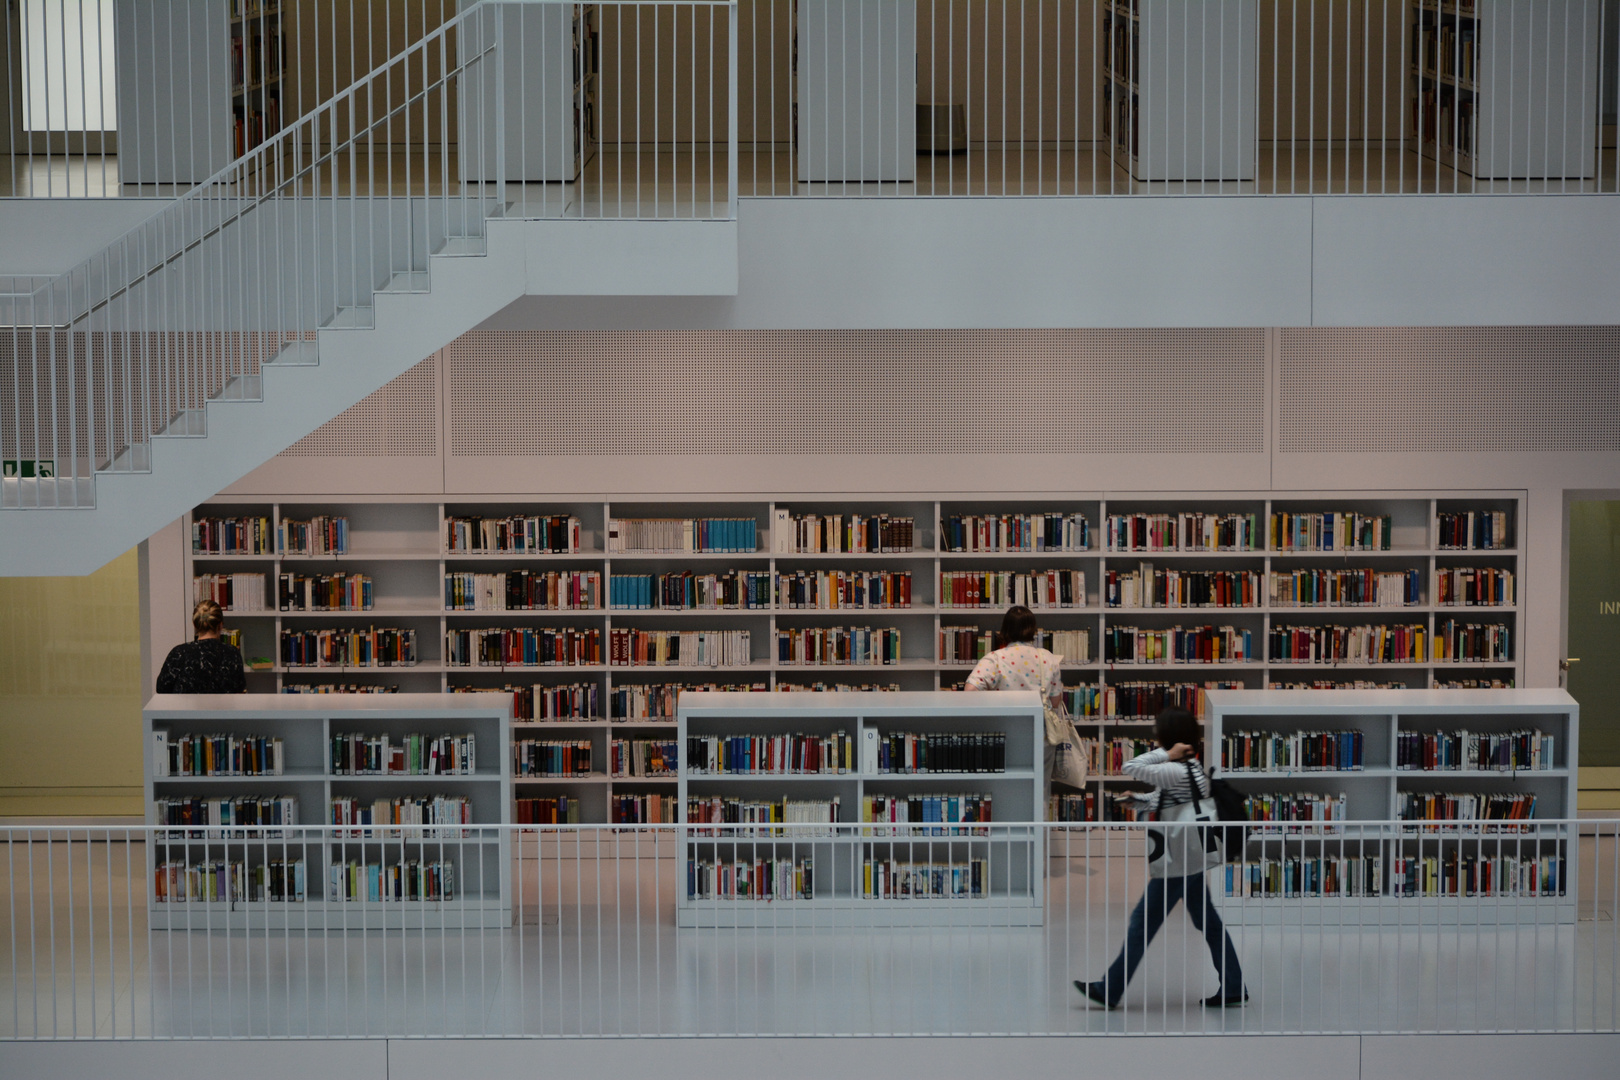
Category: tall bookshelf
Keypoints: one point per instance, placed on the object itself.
(1504, 91)
(209, 88)
(402, 546)
(1180, 88)
(460, 875)
(550, 82)
(860, 865)
(1404, 746)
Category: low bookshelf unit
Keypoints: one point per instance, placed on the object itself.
(338, 810)
(832, 808)
(1364, 801)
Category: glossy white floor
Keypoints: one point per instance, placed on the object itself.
(597, 953)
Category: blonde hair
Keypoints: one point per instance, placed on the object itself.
(207, 617)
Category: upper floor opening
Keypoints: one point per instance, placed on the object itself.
(661, 108)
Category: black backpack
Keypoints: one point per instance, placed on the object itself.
(1228, 807)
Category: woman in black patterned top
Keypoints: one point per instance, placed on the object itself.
(204, 666)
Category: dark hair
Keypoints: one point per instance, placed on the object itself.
(1018, 626)
(1176, 725)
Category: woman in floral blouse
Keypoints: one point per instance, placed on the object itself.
(1020, 665)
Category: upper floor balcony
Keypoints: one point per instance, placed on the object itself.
(646, 109)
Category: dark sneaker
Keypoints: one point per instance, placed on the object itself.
(1221, 1001)
(1093, 992)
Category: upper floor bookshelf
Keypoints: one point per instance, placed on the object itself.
(594, 614)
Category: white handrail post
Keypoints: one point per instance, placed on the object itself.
(731, 118)
(500, 111)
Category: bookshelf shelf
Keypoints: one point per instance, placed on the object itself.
(478, 862)
(1011, 870)
(400, 544)
(1384, 720)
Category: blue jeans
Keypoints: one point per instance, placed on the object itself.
(1162, 895)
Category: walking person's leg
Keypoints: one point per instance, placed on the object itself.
(1161, 895)
(1201, 910)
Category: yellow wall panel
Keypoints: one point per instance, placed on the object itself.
(71, 690)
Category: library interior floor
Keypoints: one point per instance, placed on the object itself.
(599, 955)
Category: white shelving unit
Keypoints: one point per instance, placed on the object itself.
(1373, 795)
(550, 82)
(855, 67)
(1505, 89)
(480, 857)
(1180, 88)
(1012, 857)
(209, 87)
(401, 544)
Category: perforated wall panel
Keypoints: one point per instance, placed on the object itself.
(1459, 390)
(399, 420)
(850, 392)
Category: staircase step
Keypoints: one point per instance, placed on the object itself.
(407, 281)
(462, 247)
(243, 388)
(64, 493)
(186, 424)
(131, 459)
(297, 354)
(352, 318)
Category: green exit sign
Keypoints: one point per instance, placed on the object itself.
(27, 469)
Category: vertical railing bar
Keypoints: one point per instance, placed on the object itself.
(84, 100)
(733, 137)
(356, 127)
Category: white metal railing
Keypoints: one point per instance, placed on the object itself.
(600, 931)
(904, 97)
(493, 111)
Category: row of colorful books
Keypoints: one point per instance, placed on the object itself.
(519, 534)
(411, 879)
(761, 878)
(551, 757)
(841, 533)
(857, 645)
(414, 754)
(1499, 751)
(1035, 589)
(762, 755)
(1292, 751)
(1361, 587)
(384, 646)
(1187, 531)
(216, 755)
(1014, 532)
(832, 590)
(539, 701)
(523, 646)
(232, 592)
(326, 592)
(523, 590)
(1149, 586)
(219, 881)
(682, 534)
(689, 591)
(643, 757)
(402, 810)
(1177, 645)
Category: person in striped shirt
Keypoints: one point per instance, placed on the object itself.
(1172, 770)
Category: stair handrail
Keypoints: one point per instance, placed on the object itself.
(240, 168)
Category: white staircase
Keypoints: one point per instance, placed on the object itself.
(267, 300)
